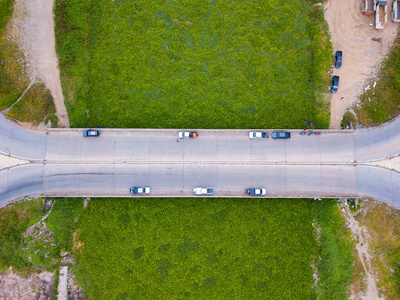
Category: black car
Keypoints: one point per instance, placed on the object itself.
(338, 59)
(281, 135)
(91, 132)
(335, 84)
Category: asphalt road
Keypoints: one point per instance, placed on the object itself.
(63, 163)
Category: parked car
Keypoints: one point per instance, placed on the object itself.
(258, 135)
(140, 190)
(188, 134)
(281, 135)
(338, 59)
(256, 191)
(90, 133)
(335, 84)
(203, 191)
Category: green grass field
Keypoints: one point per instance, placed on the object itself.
(196, 248)
(215, 64)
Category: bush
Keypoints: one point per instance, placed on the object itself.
(349, 119)
(53, 120)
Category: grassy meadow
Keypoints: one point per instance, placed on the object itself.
(212, 249)
(215, 64)
(195, 248)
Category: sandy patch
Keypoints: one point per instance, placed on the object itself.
(7, 161)
(363, 48)
(391, 164)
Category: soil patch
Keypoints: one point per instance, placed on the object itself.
(36, 286)
(363, 48)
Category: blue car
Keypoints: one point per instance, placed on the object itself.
(91, 133)
(338, 59)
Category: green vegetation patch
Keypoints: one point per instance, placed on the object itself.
(209, 249)
(383, 223)
(62, 219)
(51, 119)
(212, 64)
(349, 120)
(337, 249)
(37, 248)
(42, 246)
(14, 221)
(381, 102)
(13, 73)
(13, 77)
(34, 106)
(6, 9)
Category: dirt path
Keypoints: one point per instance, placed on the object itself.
(363, 49)
(35, 22)
(371, 292)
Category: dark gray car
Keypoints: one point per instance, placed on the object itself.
(335, 84)
(338, 59)
(281, 135)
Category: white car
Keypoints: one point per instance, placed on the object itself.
(258, 135)
(140, 190)
(187, 134)
(256, 191)
(203, 191)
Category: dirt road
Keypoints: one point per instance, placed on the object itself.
(363, 48)
(360, 234)
(35, 22)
